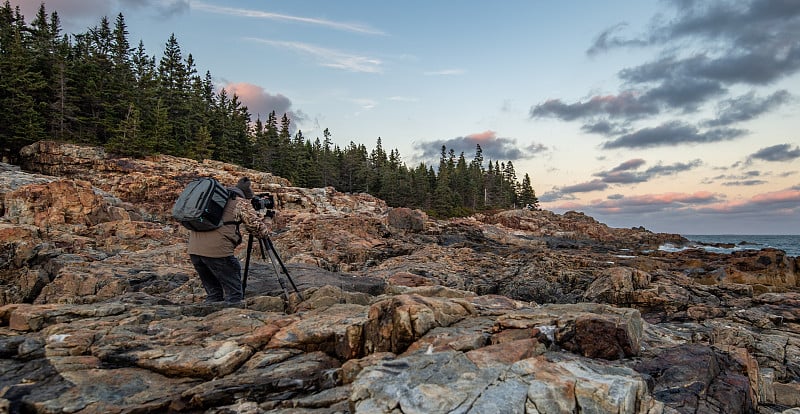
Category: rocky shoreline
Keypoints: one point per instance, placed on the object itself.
(516, 311)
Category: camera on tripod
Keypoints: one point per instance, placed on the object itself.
(264, 202)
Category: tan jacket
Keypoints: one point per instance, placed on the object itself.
(221, 242)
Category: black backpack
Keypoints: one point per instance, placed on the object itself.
(200, 205)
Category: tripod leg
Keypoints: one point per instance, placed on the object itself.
(247, 262)
(267, 253)
(283, 267)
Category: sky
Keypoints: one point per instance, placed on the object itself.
(680, 116)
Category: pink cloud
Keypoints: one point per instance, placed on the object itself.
(778, 196)
(483, 136)
(69, 8)
(772, 201)
(258, 101)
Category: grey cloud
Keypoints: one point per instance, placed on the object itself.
(164, 9)
(753, 42)
(136, 3)
(672, 133)
(496, 148)
(728, 43)
(737, 179)
(568, 192)
(651, 203)
(608, 40)
(605, 127)
(781, 152)
(625, 105)
(749, 23)
(594, 185)
(623, 177)
(683, 93)
(267, 103)
(744, 183)
(746, 107)
(555, 195)
(261, 103)
(77, 15)
(674, 168)
(629, 165)
(625, 174)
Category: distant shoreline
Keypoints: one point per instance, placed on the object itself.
(729, 243)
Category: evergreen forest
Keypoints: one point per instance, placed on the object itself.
(96, 88)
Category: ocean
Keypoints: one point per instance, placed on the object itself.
(727, 243)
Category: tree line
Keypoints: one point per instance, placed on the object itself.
(95, 88)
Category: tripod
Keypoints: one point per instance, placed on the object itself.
(268, 251)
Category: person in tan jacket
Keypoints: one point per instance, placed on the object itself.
(212, 252)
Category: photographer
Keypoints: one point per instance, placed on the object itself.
(212, 252)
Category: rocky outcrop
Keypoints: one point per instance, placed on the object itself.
(516, 311)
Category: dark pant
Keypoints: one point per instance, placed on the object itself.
(221, 277)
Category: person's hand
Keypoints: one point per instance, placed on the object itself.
(267, 229)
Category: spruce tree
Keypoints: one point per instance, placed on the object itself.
(20, 85)
(527, 197)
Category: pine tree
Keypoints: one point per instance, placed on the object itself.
(527, 197)
(99, 90)
(203, 145)
(173, 91)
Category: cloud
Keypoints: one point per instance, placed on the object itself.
(672, 133)
(629, 165)
(625, 105)
(746, 178)
(605, 127)
(257, 14)
(77, 16)
(661, 170)
(695, 213)
(594, 185)
(624, 173)
(165, 9)
(261, 103)
(647, 203)
(704, 50)
(786, 201)
(781, 152)
(744, 183)
(746, 107)
(329, 57)
(492, 147)
(746, 25)
(608, 40)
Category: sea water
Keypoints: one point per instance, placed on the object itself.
(728, 243)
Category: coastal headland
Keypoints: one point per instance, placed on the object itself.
(516, 311)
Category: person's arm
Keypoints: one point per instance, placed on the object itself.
(257, 225)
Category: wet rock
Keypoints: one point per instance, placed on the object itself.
(696, 378)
